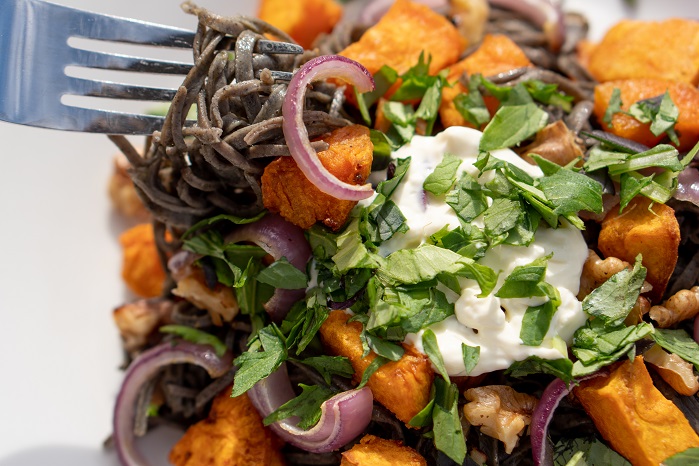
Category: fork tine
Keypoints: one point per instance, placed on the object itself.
(112, 90)
(109, 61)
(102, 121)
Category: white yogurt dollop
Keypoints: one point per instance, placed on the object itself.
(491, 323)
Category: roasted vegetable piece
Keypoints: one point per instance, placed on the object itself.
(123, 193)
(502, 412)
(286, 190)
(232, 435)
(402, 386)
(648, 49)
(303, 20)
(496, 54)
(685, 97)
(406, 30)
(141, 268)
(634, 417)
(653, 233)
(375, 451)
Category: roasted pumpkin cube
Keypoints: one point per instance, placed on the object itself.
(634, 417)
(232, 435)
(406, 30)
(402, 386)
(303, 20)
(141, 268)
(666, 50)
(496, 54)
(375, 451)
(685, 97)
(640, 229)
(286, 190)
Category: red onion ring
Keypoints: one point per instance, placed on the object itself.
(280, 239)
(688, 186)
(696, 329)
(373, 11)
(343, 418)
(546, 14)
(543, 413)
(295, 133)
(145, 366)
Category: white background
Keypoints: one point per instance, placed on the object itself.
(59, 270)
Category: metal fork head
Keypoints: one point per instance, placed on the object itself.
(34, 53)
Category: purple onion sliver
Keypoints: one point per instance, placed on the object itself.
(343, 418)
(145, 366)
(696, 329)
(688, 186)
(373, 11)
(295, 133)
(278, 238)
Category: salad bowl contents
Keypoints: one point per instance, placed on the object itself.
(455, 232)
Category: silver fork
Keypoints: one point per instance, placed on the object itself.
(34, 54)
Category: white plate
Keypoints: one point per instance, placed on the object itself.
(59, 273)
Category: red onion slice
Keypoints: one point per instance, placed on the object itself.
(280, 239)
(145, 366)
(546, 14)
(343, 418)
(295, 133)
(541, 418)
(688, 186)
(696, 329)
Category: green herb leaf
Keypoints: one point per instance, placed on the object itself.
(351, 251)
(429, 343)
(471, 105)
(442, 178)
(467, 199)
(254, 366)
(614, 106)
(424, 417)
(370, 369)
(678, 342)
(306, 406)
(688, 457)
(561, 368)
(282, 274)
(536, 322)
(612, 301)
(471, 355)
(525, 280)
(512, 125)
(448, 433)
(328, 366)
(197, 336)
(219, 218)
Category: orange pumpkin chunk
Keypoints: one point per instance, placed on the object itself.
(375, 451)
(285, 189)
(634, 417)
(685, 97)
(496, 54)
(141, 268)
(407, 29)
(402, 386)
(648, 49)
(303, 20)
(637, 230)
(232, 435)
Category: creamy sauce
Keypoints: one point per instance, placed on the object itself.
(491, 323)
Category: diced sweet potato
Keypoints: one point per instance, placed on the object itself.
(634, 417)
(637, 230)
(286, 190)
(303, 20)
(232, 435)
(648, 49)
(141, 268)
(402, 386)
(496, 54)
(407, 29)
(375, 451)
(685, 96)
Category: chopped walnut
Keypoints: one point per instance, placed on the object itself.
(501, 412)
(122, 191)
(137, 320)
(470, 18)
(597, 271)
(219, 301)
(556, 143)
(681, 306)
(677, 372)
